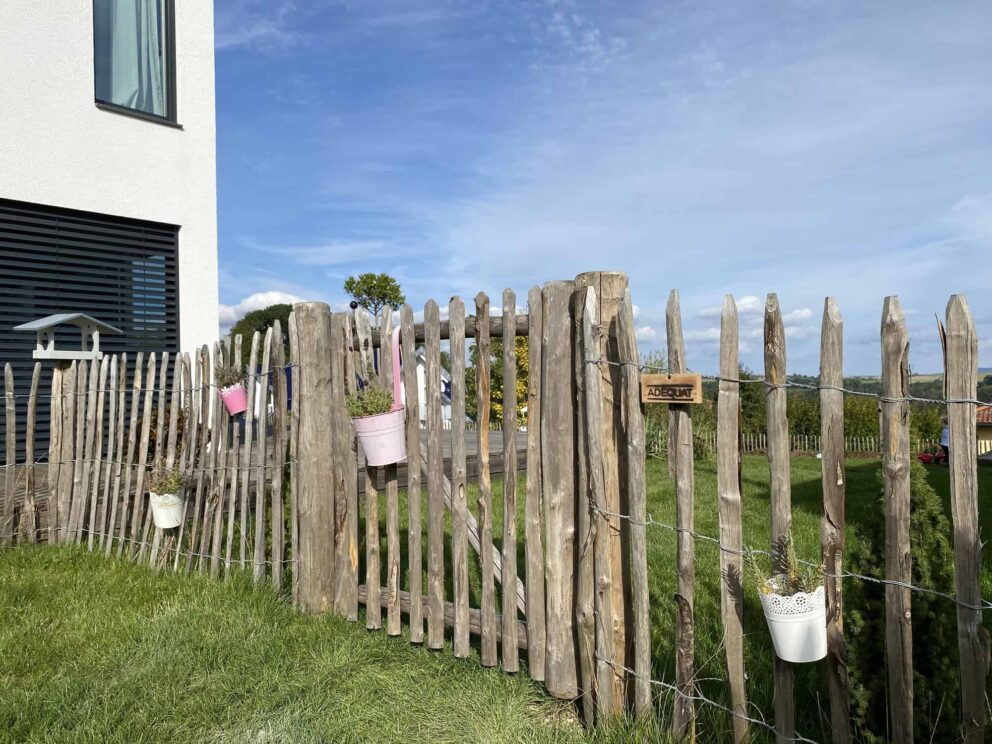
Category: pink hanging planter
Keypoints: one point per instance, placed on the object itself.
(235, 399)
(383, 436)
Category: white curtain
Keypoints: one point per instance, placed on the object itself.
(137, 58)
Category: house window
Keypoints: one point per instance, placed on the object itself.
(134, 56)
(121, 271)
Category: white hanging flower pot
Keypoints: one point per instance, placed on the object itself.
(797, 623)
(167, 509)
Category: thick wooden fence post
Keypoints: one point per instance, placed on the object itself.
(603, 589)
(483, 384)
(961, 381)
(898, 560)
(533, 534)
(728, 473)
(510, 652)
(833, 526)
(781, 494)
(632, 458)
(316, 507)
(680, 428)
(414, 522)
(459, 504)
(435, 473)
(558, 486)
(610, 288)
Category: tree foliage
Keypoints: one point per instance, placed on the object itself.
(936, 690)
(261, 321)
(375, 292)
(496, 381)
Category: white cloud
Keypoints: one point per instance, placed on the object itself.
(231, 314)
(646, 333)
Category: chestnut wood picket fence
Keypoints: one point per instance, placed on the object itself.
(282, 491)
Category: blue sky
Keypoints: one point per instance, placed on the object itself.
(805, 148)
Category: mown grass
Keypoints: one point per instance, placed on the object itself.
(97, 650)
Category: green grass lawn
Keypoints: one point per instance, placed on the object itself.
(97, 650)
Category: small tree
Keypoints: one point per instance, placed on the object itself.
(262, 320)
(375, 292)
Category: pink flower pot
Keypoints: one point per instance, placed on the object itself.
(383, 437)
(235, 399)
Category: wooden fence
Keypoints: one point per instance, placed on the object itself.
(757, 443)
(551, 567)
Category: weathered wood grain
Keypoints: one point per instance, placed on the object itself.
(294, 467)
(233, 459)
(459, 505)
(603, 569)
(262, 419)
(558, 486)
(97, 469)
(247, 547)
(961, 365)
(511, 654)
(29, 513)
(633, 460)
(520, 327)
(115, 497)
(277, 535)
(111, 451)
(728, 474)
(680, 435)
(781, 493)
(435, 498)
(895, 477)
(483, 387)
(414, 524)
(138, 514)
(77, 503)
(533, 506)
(315, 561)
(610, 287)
(10, 472)
(585, 568)
(345, 472)
(54, 453)
(833, 526)
(67, 448)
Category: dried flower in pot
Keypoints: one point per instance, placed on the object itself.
(794, 604)
(378, 424)
(231, 387)
(165, 493)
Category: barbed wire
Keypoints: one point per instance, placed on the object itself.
(799, 385)
(699, 697)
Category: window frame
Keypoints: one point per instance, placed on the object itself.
(170, 118)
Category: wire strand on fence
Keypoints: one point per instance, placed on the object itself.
(983, 606)
(699, 697)
(132, 541)
(799, 385)
(143, 390)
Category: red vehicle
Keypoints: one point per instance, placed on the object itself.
(932, 458)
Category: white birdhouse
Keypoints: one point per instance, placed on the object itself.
(89, 329)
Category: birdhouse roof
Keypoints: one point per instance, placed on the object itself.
(78, 319)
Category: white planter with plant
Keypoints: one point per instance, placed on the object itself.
(794, 603)
(231, 388)
(165, 493)
(379, 425)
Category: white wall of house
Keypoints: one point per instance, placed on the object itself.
(57, 148)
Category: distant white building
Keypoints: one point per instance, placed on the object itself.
(422, 388)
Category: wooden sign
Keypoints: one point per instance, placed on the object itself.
(673, 388)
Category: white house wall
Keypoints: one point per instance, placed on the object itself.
(57, 148)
